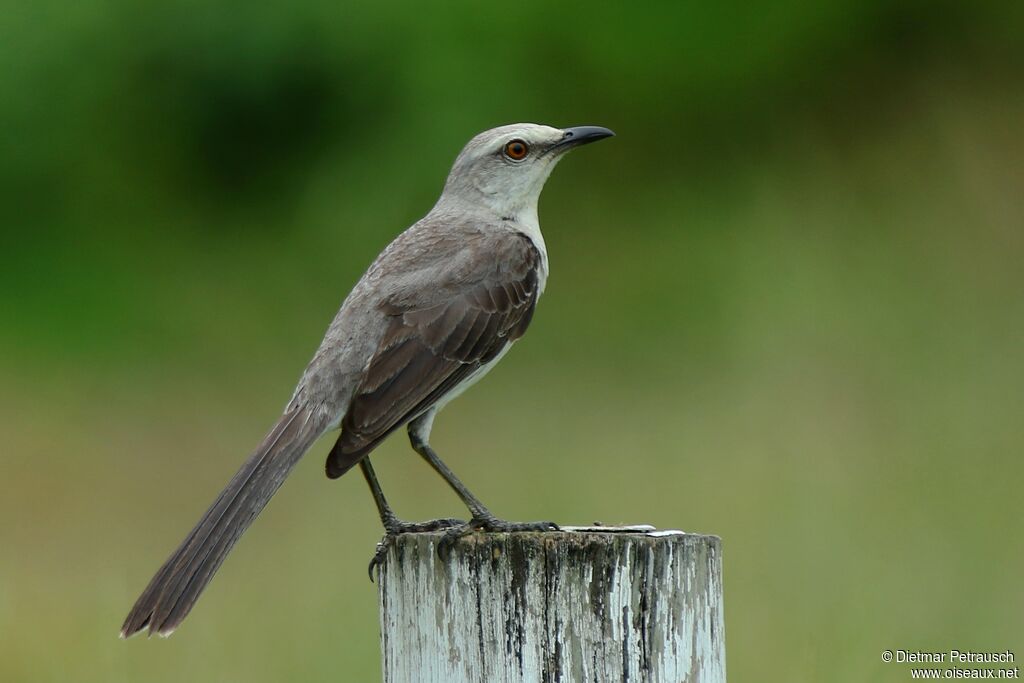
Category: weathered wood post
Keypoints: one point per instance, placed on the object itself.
(626, 604)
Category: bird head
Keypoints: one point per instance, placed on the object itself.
(504, 169)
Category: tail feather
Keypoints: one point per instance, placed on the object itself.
(174, 589)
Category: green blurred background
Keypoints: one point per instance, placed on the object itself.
(786, 306)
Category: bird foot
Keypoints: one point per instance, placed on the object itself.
(396, 527)
(488, 523)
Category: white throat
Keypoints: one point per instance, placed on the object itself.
(528, 223)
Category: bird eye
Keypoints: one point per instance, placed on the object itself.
(516, 150)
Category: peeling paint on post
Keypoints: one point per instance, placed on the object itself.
(626, 604)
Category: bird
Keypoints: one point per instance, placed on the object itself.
(434, 312)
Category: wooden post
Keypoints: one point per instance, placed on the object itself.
(626, 604)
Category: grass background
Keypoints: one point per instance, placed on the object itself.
(786, 307)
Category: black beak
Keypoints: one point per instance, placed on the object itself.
(581, 135)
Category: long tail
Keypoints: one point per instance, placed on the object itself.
(171, 594)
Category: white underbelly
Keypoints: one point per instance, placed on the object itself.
(471, 380)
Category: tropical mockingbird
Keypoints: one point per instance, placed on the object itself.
(435, 311)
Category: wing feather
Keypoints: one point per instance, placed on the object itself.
(436, 340)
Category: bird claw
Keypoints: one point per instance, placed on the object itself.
(487, 524)
(396, 528)
(379, 554)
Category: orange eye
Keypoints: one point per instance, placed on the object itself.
(516, 150)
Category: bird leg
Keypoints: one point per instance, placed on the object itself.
(483, 518)
(393, 526)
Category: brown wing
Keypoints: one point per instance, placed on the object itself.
(434, 342)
